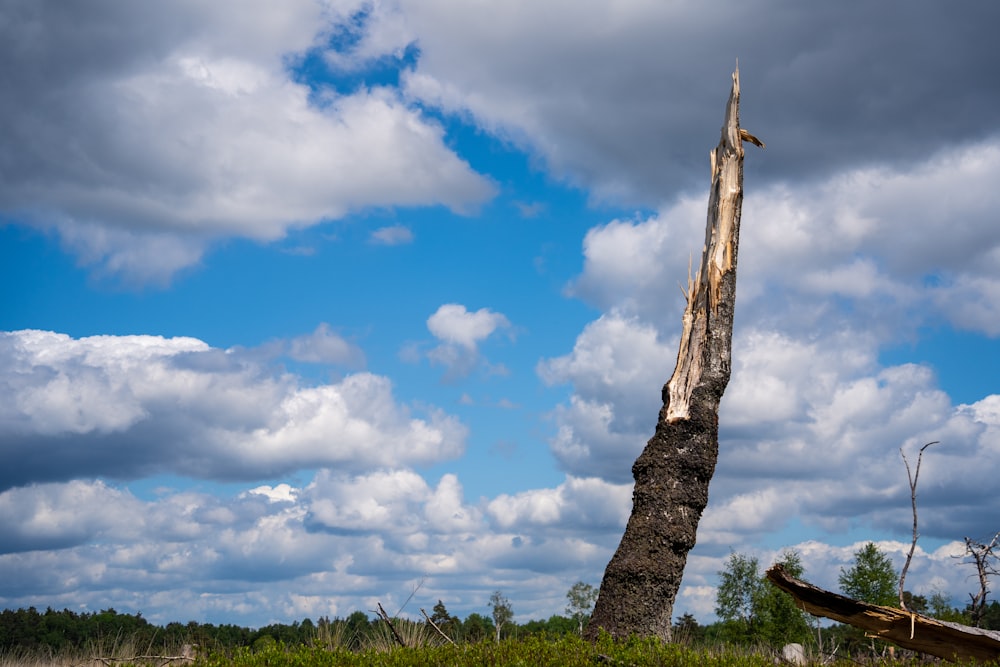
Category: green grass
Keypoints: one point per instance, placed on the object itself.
(533, 651)
(530, 652)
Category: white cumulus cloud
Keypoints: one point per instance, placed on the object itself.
(144, 404)
(452, 323)
(460, 333)
(325, 346)
(199, 131)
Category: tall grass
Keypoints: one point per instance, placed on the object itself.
(414, 635)
(110, 651)
(335, 635)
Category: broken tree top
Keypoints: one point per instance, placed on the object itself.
(718, 260)
(673, 472)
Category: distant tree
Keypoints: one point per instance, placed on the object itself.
(752, 609)
(264, 643)
(440, 615)
(445, 622)
(990, 620)
(985, 559)
(940, 607)
(581, 598)
(27, 629)
(738, 597)
(915, 603)
(687, 630)
(476, 627)
(554, 626)
(359, 628)
(872, 578)
(780, 621)
(502, 611)
(558, 626)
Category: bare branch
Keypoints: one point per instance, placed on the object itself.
(982, 555)
(412, 593)
(388, 621)
(434, 625)
(913, 501)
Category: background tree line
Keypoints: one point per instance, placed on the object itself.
(55, 631)
(750, 610)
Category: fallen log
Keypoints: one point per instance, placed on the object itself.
(951, 641)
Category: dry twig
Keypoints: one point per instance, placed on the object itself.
(434, 625)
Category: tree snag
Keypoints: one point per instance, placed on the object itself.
(673, 472)
(913, 477)
(984, 558)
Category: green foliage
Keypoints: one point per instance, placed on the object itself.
(687, 631)
(581, 598)
(991, 617)
(533, 651)
(555, 626)
(541, 649)
(780, 620)
(446, 623)
(872, 578)
(939, 607)
(503, 613)
(108, 635)
(753, 610)
(476, 628)
(915, 603)
(56, 631)
(739, 593)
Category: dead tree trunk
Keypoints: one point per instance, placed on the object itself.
(982, 555)
(673, 472)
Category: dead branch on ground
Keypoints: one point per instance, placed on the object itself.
(434, 625)
(951, 641)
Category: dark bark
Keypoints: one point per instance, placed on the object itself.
(672, 474)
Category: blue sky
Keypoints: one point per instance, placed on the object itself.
(309, 306)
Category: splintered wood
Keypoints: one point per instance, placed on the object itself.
(674, 470)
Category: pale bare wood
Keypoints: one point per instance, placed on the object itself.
(913, 503)
(434, 625)
(718, 257)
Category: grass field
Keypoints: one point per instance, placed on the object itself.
(535, 651)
